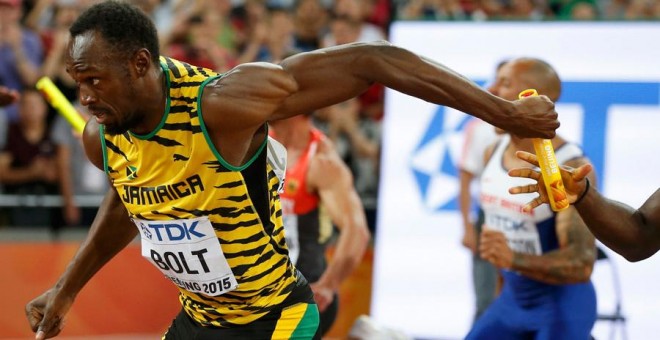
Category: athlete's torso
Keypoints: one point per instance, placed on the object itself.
(526, 232)
(193, 209)
(307, 227)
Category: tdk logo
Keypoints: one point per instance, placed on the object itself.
(174, 231)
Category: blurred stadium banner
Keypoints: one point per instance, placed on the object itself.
(610, 105)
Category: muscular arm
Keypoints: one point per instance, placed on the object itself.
(333, 182)
(573, 261)
(111, 231)
(635, 234)
(328, 76)
(235, 106)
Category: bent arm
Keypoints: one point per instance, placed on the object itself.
(333, 182)
(571, 263)
(635, 234)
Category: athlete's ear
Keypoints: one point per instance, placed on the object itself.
(142, 61)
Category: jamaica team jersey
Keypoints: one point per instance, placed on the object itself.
(213, 229)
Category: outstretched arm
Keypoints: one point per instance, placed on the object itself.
(633, 233)
(333, 182)
(328, 76)
(111, 231)
(252, 94)
(238, 104)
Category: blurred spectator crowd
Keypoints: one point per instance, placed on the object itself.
(41, 155)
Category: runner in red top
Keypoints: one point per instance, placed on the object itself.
(319, 193)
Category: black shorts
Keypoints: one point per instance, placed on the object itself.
(298, 321)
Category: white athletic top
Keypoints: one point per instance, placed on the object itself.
(527, 232)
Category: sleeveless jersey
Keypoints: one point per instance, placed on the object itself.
(196, 210)
(526, 232)
(308, 228)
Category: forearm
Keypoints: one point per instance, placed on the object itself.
(351, 245)
(111, 231)
(433, 82)
(348, 70)
(563, 266)
(65, 180)
(622, 228)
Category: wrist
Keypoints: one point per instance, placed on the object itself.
(516, 261)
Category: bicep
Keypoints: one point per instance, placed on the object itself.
(323, 78)
(650, 212)
(92, 144)
(333, 182)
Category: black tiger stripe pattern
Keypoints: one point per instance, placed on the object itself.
(192, 180)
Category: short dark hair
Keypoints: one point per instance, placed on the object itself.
(124, 26)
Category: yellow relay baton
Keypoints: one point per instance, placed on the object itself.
(58, 101)
(549, 167)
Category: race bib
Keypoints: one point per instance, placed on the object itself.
(188, 253)
(522, 236)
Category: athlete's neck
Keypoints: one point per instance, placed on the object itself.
(154, 101)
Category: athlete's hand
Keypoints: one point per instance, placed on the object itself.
(494, 248)
(532, 117)
(323, 295)
(46, 313)
(573, 179)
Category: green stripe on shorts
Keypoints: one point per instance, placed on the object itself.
(308, 324)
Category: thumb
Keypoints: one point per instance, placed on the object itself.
(50, 326)
(582, 172)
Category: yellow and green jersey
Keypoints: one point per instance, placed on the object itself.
(174, 183)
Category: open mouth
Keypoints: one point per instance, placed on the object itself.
(98, 115)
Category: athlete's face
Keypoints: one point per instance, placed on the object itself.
(104, 82)
(510, 81)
